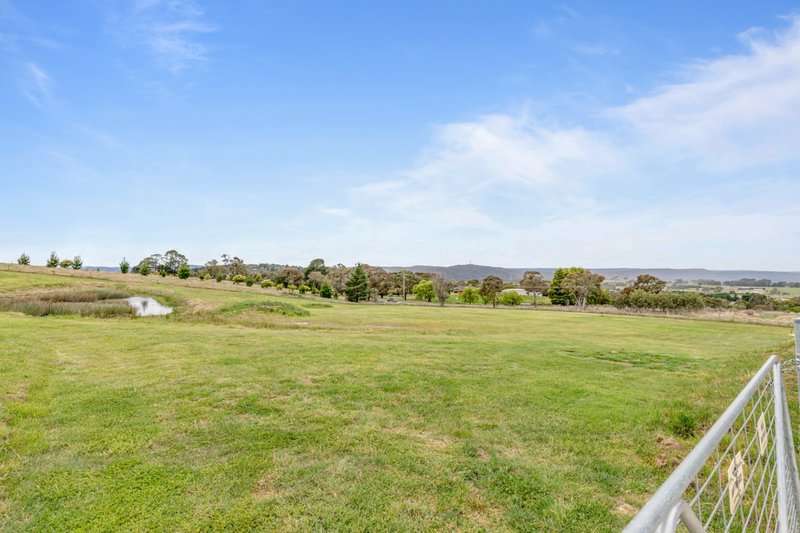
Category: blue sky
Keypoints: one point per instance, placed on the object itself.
(505, 133)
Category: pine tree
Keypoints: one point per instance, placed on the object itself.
(357, 286)
(24, 259)
(53, 261)
(326, 291)
(184, 271)
(124, 266)
(77, 262)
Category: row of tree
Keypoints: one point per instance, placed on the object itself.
(569, 286)
(53, 261)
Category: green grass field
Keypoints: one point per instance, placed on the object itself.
(246, 410)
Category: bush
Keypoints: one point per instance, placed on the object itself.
(599, 296)
(183, 271)
(66, 263)
(511, 298)
(77, 262)
(163, 272)
(664, 301)
(267, 283)
(326, 291)
(424, 290)
(249, 280)
(469, 295)
(24, 259)
(220, 276)
(237, 279)
(302, 289)
(144, 269)
(124, 266)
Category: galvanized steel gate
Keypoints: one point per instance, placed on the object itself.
(742, 475)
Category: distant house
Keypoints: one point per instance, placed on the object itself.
(518, 291)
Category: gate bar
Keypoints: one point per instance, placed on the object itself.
(671, 491)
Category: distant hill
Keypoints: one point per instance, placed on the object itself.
(464, 272)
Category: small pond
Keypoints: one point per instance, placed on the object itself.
(146, 306)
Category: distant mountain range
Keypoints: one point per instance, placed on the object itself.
(464, 272)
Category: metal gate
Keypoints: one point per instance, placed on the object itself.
(742, 475)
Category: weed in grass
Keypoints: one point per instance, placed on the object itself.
(280, 308)
(317, 305)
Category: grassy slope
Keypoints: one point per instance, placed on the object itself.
(353, 417)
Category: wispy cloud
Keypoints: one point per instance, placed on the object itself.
(171, 31)
(36, 85)
(336, 212)
(728, 113)
(533, 189)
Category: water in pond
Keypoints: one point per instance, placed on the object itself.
(145, 306)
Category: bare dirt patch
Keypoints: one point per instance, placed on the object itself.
(265, 490)
(625, 509)
(671, 452)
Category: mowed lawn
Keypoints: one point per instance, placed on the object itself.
(350, 417)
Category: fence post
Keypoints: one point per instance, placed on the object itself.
(797, 353)
(781, 453)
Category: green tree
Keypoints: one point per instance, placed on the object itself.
(24, 259)
(557, 294)
(469, 295)
(534, 283)
(219, 277)
(66, 263)
(580, 285)
(124, 266)
(77, 262)
(357, 287)
(172, 261)
(646, 283)
(511, 298)
(238, 278)
(144, 269)
(326, 291)
(316, 265)
(424, 290)
(490, 288)
(53, 261)
(405, 281)
(599, 296)
(183, 271)
(213, 269)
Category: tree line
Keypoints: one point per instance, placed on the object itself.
(573, 286)
(76, 263)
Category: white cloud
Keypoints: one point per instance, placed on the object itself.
(36, 85)
(485, 161)
(170, 31)
(731, 118)
(729, 113)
